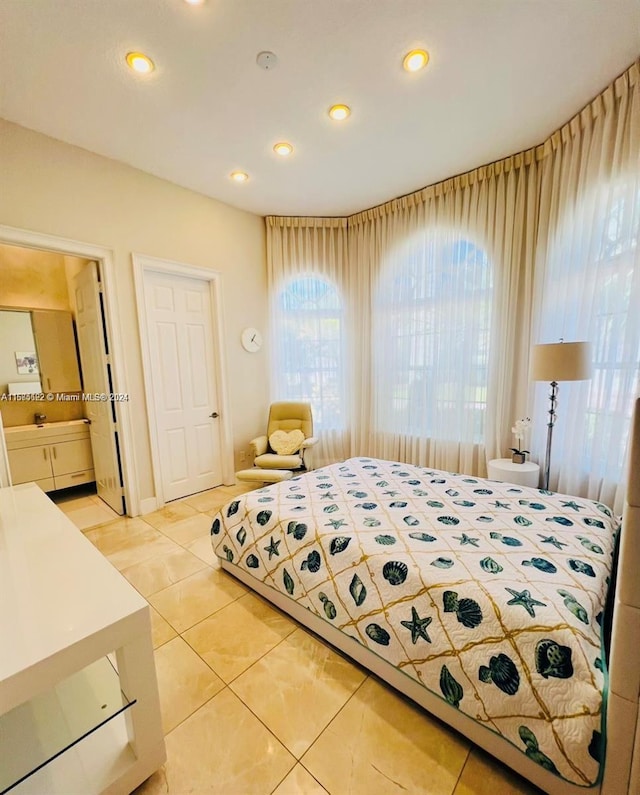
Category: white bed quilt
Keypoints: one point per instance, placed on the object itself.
(490, 595)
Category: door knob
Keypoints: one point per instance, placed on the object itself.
(214, 416)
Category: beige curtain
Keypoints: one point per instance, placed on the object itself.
(588, 287)
(521, 218)
(307, 273)
(493, 209)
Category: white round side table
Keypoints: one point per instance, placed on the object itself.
(527, 474)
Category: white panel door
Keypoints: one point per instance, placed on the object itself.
(183, 373)
(96, 379)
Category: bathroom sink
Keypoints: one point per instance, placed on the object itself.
(51, 426)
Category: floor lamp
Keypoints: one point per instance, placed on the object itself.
(559, 361)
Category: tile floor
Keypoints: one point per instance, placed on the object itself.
(251, 701)
(83, 506)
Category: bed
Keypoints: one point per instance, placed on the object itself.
(485, 602)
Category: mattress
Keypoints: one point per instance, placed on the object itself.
(488, 594)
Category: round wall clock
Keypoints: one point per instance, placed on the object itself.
(251, 340)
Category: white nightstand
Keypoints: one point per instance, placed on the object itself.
(527, 474)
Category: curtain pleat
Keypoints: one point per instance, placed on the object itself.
(523, 218)
(297, 249)
(588, 288)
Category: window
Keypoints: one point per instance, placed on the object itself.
(431, 339)
(309, 348)
(592, 292)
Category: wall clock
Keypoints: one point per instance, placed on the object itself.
(251, 340)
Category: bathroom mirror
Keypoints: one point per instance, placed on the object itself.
(37, 352)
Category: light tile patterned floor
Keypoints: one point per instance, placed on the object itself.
(83, 506)
(252, 702)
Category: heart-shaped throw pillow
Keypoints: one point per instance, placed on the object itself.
(286, 442)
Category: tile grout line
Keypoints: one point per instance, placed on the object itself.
(204, 703)
(298, 762)
(262, 656)
(298, 759)
(366, 678)
(468, 756)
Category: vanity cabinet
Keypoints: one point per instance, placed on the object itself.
(54, 456)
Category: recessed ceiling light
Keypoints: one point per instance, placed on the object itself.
(283, 149)
(140, 63)
(415, 60)
(339, 112)
(239, 176)
(195, 2)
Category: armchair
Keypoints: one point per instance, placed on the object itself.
(281, 451)
(285, 417)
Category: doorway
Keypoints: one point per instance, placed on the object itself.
(179, 313)
(124, 494)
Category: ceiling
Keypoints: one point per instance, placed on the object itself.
(503, 74)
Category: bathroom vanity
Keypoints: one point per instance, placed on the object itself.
(54, 455)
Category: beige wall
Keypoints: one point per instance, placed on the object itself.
(32, 279)
(50, 187)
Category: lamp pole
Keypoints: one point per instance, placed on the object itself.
(553, 401)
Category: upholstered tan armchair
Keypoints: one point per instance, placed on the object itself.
(289, 435)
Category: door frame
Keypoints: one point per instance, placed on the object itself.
(143, 264)
(105, 258)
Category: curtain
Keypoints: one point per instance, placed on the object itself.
(588, 287)
(441, 282)
(307, 262)
(442, 293)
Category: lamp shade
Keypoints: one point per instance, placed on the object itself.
(561, 361)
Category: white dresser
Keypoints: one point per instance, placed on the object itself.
(79, 706)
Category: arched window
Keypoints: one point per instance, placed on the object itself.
(309, 348)
(591, 292)
(432, 321)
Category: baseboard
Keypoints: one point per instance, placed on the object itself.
(148, 505)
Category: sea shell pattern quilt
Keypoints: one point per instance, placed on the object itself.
(490, 595)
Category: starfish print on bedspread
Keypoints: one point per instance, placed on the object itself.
(272, 549)
(572, 504)
(465, 540)
(552, 540)
(335, 523)
(524, 599)
(417, 626)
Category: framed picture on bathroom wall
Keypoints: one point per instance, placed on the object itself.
(26, 363)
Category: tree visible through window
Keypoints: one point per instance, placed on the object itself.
(309, 342)
(431, 331)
